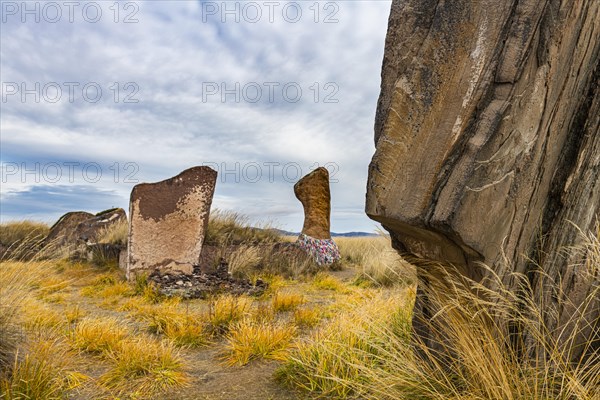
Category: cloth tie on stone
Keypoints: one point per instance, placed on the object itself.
(323, 251)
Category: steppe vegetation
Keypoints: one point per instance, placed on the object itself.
(80, 330)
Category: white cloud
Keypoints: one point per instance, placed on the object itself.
(169, 54)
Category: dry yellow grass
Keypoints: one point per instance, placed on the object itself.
(378, 264)
(115, 233)
(229, 227)
(17, 280)
(225, 310)
(44, 372)
(263, 312)
(307, 317)
(144, 366)
(189, 331)
(183, 326)
(74, 313)
(284, 301)
(367, 352)
(37, 315)
(341, 340)
(244, 262)
(249, 340)
(17, 231)
(98, 335)
(323, 280)
(331, 360)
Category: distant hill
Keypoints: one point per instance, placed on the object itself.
(333, 234)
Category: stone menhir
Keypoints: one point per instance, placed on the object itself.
(168, 222)
(80, 227)
(313, 192)
(487, 137)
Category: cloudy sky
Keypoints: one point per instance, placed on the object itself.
(99, 96)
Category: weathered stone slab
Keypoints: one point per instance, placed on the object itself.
(168, 222)
(65, 229)
(487, 139)
(90, 229)
(314, 194)
(80, 227)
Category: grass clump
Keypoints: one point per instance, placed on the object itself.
(150, 292)
(263, 313)
(307, 317)
(325, 281)
(189, 331)
(249, 340)
(109, 287)
(14, 284)
(116, 233)
(157, 317)
(98, 335)
(74, 313)
(42, 373)
(286, 301)
(37, 315)
(290, 262)
(52, 285)
(184, 328)
(225, 310)
(144, 366)
(25, 241)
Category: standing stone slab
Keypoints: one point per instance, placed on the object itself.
(313, 192)
(168, 222)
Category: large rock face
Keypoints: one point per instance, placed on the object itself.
(168, 222)
(487, 139)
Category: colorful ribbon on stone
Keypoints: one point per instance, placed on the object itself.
(323, 251)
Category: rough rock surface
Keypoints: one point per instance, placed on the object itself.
(487, 140)
(89, 229)
(65, 229)
(168, 222)
(313, 192)
(80, 227)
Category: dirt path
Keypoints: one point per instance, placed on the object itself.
(213, 381)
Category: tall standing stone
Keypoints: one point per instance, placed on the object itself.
(168, 222)
(314, 194)
(487, 139)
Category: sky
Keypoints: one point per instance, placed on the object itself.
(99, 96)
